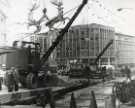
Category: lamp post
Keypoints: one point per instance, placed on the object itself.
(121, 9)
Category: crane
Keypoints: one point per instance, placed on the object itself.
(103, 51)
(31, 77)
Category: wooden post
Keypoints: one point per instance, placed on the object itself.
(73, 101)
(52, 101)
(93, 103)
(110, 102)
(46, 98)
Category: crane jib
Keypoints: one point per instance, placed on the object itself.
(103, 51)
(59, 38)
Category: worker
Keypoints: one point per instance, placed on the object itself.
(41, 79)
(87, 73)
(48, 78)
(0, 79)
(103, 70)
(12, 79)
(127, 71)
(16, 79)
(48, 75)
(9, 80)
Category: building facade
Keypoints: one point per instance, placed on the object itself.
(125, 49)
(83, 43)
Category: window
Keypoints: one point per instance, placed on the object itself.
(84, 44)
(96, 30)
(91, 38)
(82, 33)
(92, 29)
(96, 38)
(58, 55)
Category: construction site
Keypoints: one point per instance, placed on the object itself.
(81, 66)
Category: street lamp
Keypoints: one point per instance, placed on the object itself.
(121, 9)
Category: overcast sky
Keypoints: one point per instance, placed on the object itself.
(97, 11)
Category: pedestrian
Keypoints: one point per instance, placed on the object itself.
(0, 81)
(45, 98)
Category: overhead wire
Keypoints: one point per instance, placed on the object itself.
(67, 12)
(108, 10)
(29, 34)
(96, 15)
(107, 18)
(71, 9)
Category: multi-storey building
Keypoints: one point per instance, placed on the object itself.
(82, 43)
(124, 49)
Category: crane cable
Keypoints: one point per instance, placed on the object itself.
(44, 4)
(108, 10)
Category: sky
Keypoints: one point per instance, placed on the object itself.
(96, 11)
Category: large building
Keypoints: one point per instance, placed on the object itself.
(124, 49)
(83, 43)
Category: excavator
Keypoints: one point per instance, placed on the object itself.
(30, 77)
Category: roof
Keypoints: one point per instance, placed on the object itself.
(6, 49)
(121, 34)
(93, 25)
